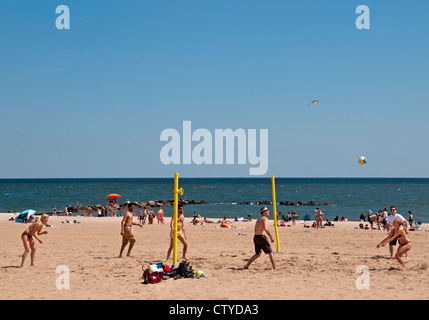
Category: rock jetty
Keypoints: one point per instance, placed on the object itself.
(288, 203)
(137, 204)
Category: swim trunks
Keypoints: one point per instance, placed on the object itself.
(261, 243)
(128, 235)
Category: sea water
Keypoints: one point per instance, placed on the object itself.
(349, 197)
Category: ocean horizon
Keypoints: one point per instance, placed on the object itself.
(348, 197)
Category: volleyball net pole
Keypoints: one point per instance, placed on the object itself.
(273, 186)
(177, 191)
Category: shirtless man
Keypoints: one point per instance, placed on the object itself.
(127, 234)
(181, 235)
(260, 240)
(33, 230)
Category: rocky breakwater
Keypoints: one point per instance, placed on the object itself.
(162, 203)
(288, 203)
(137, 204)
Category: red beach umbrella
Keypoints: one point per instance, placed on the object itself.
(111, 198)
(113, 195)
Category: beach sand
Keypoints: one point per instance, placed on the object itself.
(320, 264)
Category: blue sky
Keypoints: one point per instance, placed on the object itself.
(92, 101)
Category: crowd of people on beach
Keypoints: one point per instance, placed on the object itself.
(397, 228)
(379, 220)
(396, 225)
(318, 220)
(145, 214)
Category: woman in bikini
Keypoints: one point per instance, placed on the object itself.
(181, 235)
(31, 232)
(160, 215)
(398, 232)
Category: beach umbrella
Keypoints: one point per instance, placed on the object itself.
(25, 215)
(113, 195)
(111, 198)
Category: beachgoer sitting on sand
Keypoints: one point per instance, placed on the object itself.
(207, 220)
(328, 223)
(225, 223)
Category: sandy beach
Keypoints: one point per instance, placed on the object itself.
(319, 264)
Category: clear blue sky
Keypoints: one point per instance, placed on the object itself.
(92, 101)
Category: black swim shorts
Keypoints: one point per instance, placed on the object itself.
(261, 243)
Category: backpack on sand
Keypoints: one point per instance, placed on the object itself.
(185, 269)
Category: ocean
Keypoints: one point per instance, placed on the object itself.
(349, 197)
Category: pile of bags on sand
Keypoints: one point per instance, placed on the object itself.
(160, 271)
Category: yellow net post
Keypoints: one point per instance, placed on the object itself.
(273, 185)
(176, 209)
